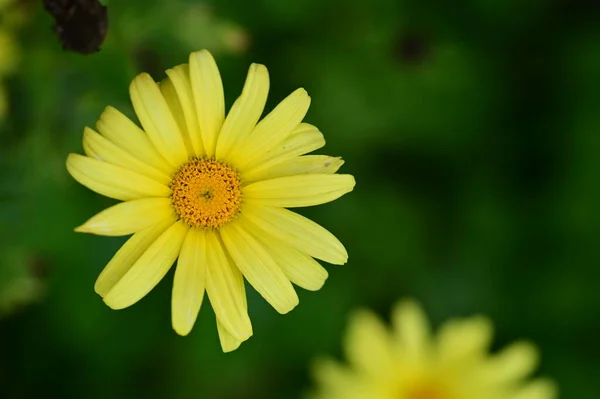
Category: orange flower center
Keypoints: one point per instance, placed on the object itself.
(206, 193)
(426, 393)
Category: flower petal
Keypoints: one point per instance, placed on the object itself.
(412, 331)
(537, 389)
(170, 94)
(156, 118)
(259, 268)
(180, 77)
(126, 256)
(113, 181)
(307, 164)
(245, 112)
(105, 150)
(302, 140)
(89, 151)
(225, 289)
(129, 137)
(298, 231)
(228, 341)
(149, 269)
(338, 382)
(299, 267)
(460, 340)
(128, 217)
(298, 191)
(368, 345)
(511, 364)
(189, 282)
(274, 128)
(207, 88)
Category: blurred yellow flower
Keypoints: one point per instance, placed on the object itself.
(3, 101)
(410, 363)
(210, 190)
(9, 58)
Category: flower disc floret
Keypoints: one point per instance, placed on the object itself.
(206, 193)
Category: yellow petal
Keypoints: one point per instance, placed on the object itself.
(127, 255)
(299, 267)
(298, 191)
(3, 101)
(208, 97)
(120, 130)
(298, 231)
(105, 150)
(337, 382)
(189, 282)
(180, 77)
(259, 268)
(225, 289)
(307, 164)
(228, 341)
(89, 151)
(128, 217)
(113, 181)
(170, 94)
(156, 118)
(368, 345)
(149, 269)
(411, 331)
(245, 112)
(302, 140)
(511, 364)
(274, 128)
(538, 389)
(462, 340)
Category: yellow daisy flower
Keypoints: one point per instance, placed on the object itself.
(9, 59)
(211, 192)
(409, 363)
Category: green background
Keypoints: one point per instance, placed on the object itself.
(472, 128)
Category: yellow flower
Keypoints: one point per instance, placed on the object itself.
(210, 191)
(9, 59)
(3, 101)
(410, 363)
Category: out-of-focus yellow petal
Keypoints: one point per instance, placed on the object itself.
(369, 346)
(510, 365)
(412, 332)
(461, 340)
(337, 382)
(538, 389)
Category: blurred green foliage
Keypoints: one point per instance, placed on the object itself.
(473, 130)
